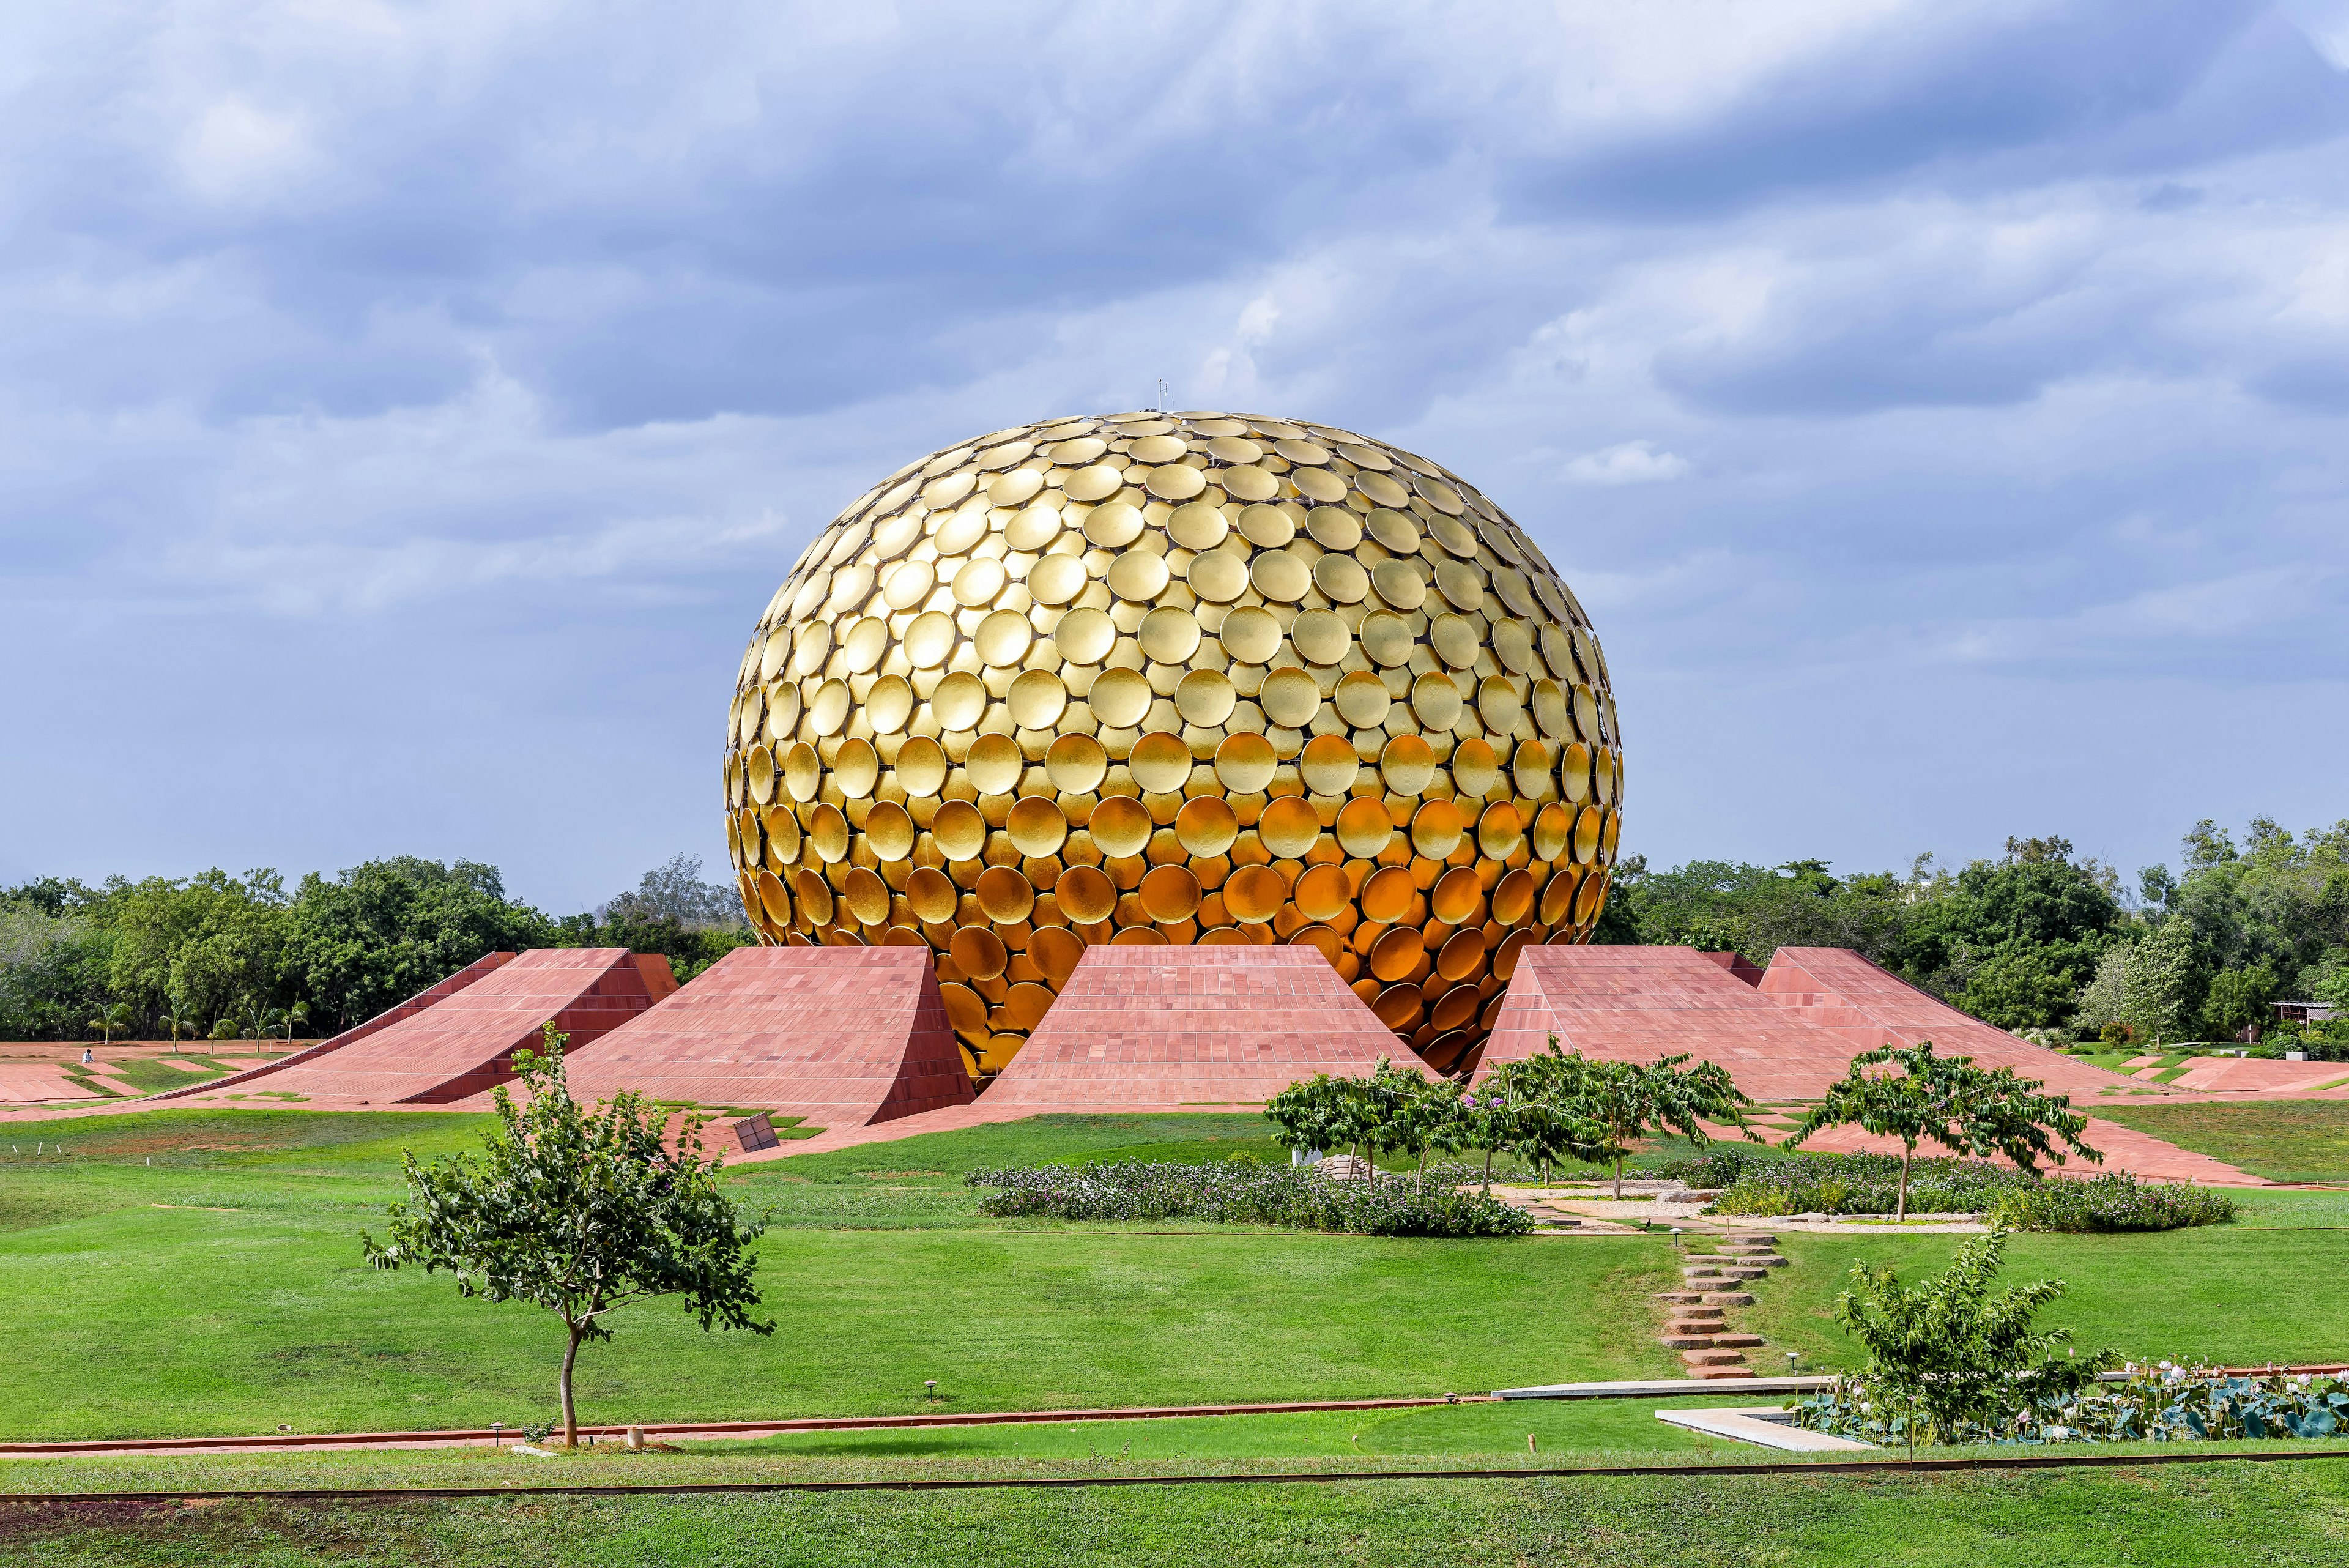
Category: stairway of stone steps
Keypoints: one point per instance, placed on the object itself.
(1545, 1218)
(1697, 1327)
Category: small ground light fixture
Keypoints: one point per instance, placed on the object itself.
(932, 1384)
(1794, 1359)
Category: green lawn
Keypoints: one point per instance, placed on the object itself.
(2286, 1516)
(2283, 1140)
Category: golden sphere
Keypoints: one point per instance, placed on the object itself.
(1177, 678)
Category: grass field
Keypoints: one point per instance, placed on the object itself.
(2283, 1140)
(2283, 1516)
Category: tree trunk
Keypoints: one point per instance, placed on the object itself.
(1488, 1169)
(1618, 1175)
(1900, 1202)
(570, 1415)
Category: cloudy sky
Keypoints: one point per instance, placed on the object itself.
(405, 410)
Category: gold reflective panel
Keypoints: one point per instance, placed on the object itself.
(1161, 762)
(1076, 763)
(1063, 597)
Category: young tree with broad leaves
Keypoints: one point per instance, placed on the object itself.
(112, 1022)
(580, 1211)
(1626, 1101)
(180, 1018)
(1948, 1101)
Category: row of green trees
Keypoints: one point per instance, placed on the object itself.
(2042, 939)
(224, 956)
(1559, 1105)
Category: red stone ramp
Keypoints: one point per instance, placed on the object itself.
(428, 997)
(2147, 1158)
(1169, 1028)
(1837, 990)
(1638, 1003)
(839, 1037)
(464, 1043)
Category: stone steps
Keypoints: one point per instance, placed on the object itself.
(1727, 1298)
(1721, 1372)
(1713, 1357)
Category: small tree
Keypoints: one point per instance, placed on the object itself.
(1312, 1114)
(1510, 1111)
(1625, 1101)
(1953, 1354)
(179, 1020)
(1948, 1101)
(580, 1212)
(112, 1021)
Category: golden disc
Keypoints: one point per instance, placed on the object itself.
(1114, 527)
(966, 1009)
(1436, 829)
(762, 773)
(1443, 498)
(993, 764)
(1026, 1004)
(1218, 577)
(1119, 698)
(1462, 955)
(1435, 700)
(1138, 576)
(1098, 483)
(1398, 1006)
(1197, 527)
(828, 709)
(850, 587)
(909, 583)
(1513, 897)
(1160, 762)
(1454, 638)
(1014, 489)
(958, 830)
(811, 647)
(948, 488)
(1361, 700)
(1226, 937)
(1206, 698)
(958, 701)
(1553, 829)
(856, 768)
(828, 831)
(771, 898)
(1266, 527)
(1120, 826)
(930, 637)
(866, 641)
(1055, 951)
(1557, 899)
(1363, 827)
(1335, 528)
(867, 895)
(1322, 939)
(1387, 894)
(803, 773)
(1254, 894)
(1499, 831)
(1341, 578)
(1607, 840)
(1397, 953)
(782, 835)
(1139, 937)
(1573, 772)
(1475, 769)
(1456, 895)
(1454, 1009)
(1290, 698)
(1399, 585)
(1169, 636)
(1498, 704)
(1322, 893)
(1289, 827)
(1329, 764)
(1585, 714)
(1383, 489)
(1086, 636)
(814, 895)
(978, 582)
(782, 710)
(1085, 894)
(1407, 763)
(1036, 826)
(1176, 482)
(1207, 825)
(921, 767)
(903, 937)
(1034, 528)
(1244, 763)
(1076, 764)
(1037, 698)
(1078, 452)
(1004, 895)
(1297, 450)
(1587, 829)
(1056, 579)
(896, 535)
(1246, 481)
(1250, 634)
(1170, 893)
(1590, 900)
(1530, 769)
(1003, 639)
(1319, 636)
(1230, 447)
(932, 895)
(888, 704)
(1318, 485)
(1386, 639)
(979, 952)
(889, 830)
(1278, 576)
(1505, 964)
(1394, 530)
(1513, 645)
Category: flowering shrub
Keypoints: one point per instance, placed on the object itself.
(2161, 1403)
(1247, 1192)
(1868, 1184)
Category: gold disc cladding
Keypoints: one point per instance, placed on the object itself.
(959, 831)
(1499, 831)
(1329, 764)
(782, 835)
(1170, 893)
(802, 774)
(1474, 768)
(1160, 762)
(1003, 639)
(1454, 640)
(1176, 482)
(1335, 528)
(1157, 449)
(1455, 895)
(867, 895)
(1055, 950)
(1251, 634)
(960, 701)
(1281, 577)
(1098, 483)
(993, 764)
(829, 711)
(1319, 636)
(1138, 574)
(1245, 764)
(1322, 895)
(866, 641)
(1120, 825)
(1290, 698)
(1513, 897)
(1197, 527)
(1498, 704)
(1363, 828)
(1407, 762)
(1246, 481)
(1218, 577)
(932, 896)
(1055, 579)
(1290, 826)
(1387, 894)
(1033, 529)
(1362, 700)
(1026, 1004)
(1266, 527)
(1552, 831)
(1169, 636)
(921, 767)
(1206, 698)
(1086, 636)
(1342, 578)
(1085, 894)
(1386, 639)
(856, 768)
(979, 952)
(931, 636)
(814, 895)
(1436, 829)
(1397, 953)
(1004, 895)
(1394, 531)
(1119, 698)
(1207, 825)
(1114, 527)
(1253, 893)
(888, 704)
(1076, 764)
(1036, 699)
(1435, 700)
(1036, 826)
(1398, 585)
(890, 831)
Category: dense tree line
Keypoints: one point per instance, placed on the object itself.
(230, 957)
(2040, 940)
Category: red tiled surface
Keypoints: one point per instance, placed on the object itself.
(1637, 1003)
(1163, 1026)
(464, 1043)
(35, 1081)
(428, 997)
(2251, 1074)
(1837, 990)
(841, 1036)
(2124, 1148)
(1738, 964)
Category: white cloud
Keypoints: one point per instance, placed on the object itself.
(1626, 462)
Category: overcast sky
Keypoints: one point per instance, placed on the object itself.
(405, 410)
